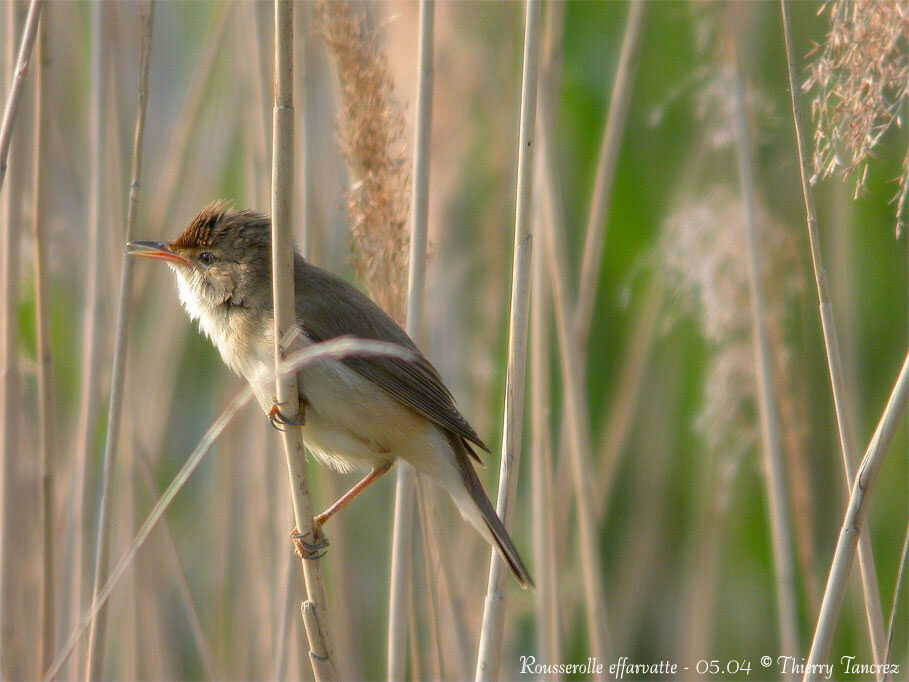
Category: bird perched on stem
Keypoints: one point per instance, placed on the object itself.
(358, 412)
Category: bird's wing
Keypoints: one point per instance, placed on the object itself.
(328, 307)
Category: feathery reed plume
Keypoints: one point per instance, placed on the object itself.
(44, 358)
(870, 589)
(370, 130)
(97, 633)
(702, 256)
(315, 615)
(865, 477)
(860, 83)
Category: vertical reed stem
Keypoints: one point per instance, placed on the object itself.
(873, 609)
(841, 567)
(91, 335)
(610, 146)
(97, 632)
(321, 649)
(44, 358)
(491, 633)
(402, 534)
(774, 467)
(29, 34)
(576, 418)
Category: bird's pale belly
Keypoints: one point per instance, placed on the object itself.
(347, 420)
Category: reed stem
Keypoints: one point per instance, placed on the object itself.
(282, 245)
(491, 633)
(402, 533)
(774, 467)
(841, 566)
(873, 609)
(97, 633)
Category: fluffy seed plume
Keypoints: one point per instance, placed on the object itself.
(860, 81)
(703, 255)
(370, 130)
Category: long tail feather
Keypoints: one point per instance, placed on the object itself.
(478, 509)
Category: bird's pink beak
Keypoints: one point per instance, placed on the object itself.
(158, 250)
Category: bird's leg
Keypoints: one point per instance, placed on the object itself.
(352, 493)
(278, 418)
(316, 548)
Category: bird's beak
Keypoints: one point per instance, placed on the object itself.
(154, 250)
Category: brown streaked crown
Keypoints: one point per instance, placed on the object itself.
(199, 231)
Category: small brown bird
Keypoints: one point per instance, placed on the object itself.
(359, 412)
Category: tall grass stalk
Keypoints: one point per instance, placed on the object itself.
(607, 162)
(95, 662)
(774, 467)
(282, 255)
(91, 333)
(841, 566)
(618, 420)
(578, 427)
(544, 541)
(492, 630)
(173, 169)
(29, 33)
(873, 609)
(10, 414)
(894, 609)
(402, 533)
(202, 647)
(610, 146)
(44, 357)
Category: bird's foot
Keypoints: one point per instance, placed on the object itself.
(279, 419)
(310, 550)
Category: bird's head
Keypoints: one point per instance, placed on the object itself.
(222, 258)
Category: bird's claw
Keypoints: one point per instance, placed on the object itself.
(310, 550)
(279, 419)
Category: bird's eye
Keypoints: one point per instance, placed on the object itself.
(206, 258)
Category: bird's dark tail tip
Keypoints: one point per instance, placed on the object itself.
(479, 510)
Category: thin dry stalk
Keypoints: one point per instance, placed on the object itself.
(492, 631)
(97, 633)
(44, 357)
(619, 420)
(901, 572)
(544, 541)
(402, 533)
(841, 566)
(610, 146)
(173, 171)
(9, 291)
(282, 255)
(873, 608)
(29, 33)
(774, 467)
(91, 333)
(195, 625)
(578, 428)
(435, 645)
